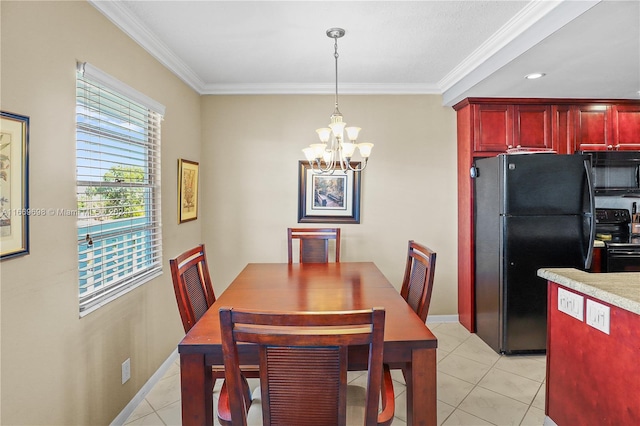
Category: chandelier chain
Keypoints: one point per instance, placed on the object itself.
(335, 55)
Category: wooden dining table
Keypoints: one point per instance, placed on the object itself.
(343, 286)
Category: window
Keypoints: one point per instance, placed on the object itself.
(118, 187)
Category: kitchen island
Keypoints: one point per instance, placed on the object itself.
(593, 345)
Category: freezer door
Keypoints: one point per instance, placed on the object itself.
(530, 243)
(540, 184)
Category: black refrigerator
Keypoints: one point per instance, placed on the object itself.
(530, 211)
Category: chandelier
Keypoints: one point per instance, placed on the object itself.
(333, 151)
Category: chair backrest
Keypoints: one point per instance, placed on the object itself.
(314, 244)
(303, 363)
(192, 285)
(418, 278)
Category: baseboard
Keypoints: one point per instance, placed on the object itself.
(441, 318)
(142, 393)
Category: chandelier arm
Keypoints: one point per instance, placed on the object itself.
(322, 171)
(361, 168)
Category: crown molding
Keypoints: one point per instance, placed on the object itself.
(319, 89)
(530, 26)
(130, 25)
(536, 21)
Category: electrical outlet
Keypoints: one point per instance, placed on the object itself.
(598, 316)
(571, 304)
(126, 370)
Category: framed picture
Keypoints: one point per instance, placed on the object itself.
(14, 185)
(328, 198)
(187, 190)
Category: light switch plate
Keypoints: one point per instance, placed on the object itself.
(598, 316)
(571, 304)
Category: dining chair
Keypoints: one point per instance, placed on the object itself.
(303, 367)
(314, 244)
(194, 295)
(417, 284)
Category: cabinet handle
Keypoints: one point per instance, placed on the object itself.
(610, 147)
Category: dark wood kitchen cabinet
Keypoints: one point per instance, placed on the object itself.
(492, 127)
(626, 127)
(532, 126)
(592, 127)
(489, 126)
(607, 127)
(500, 127)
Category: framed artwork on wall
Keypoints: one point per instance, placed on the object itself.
(188, 174)
(14, 185)
(324, 198)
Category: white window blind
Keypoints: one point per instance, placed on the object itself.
(118, 187)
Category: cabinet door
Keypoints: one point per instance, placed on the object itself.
(626, 127)
(592, 127)
(493, 127)
(562, 139)
(532, 126)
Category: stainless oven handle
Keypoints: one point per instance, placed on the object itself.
(624, 252)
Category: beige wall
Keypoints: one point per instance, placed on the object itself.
(251, 146)
(58, 368)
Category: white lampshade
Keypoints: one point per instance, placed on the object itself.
(318, 149)
(337, 128)
(309, 153)
(352, 133)
(324, 134)
(365, 149)
(326, 156)
(348, 149)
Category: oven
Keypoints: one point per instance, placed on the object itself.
(622, 249)
(622, 257)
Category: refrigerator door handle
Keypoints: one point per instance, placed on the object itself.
(590, 214)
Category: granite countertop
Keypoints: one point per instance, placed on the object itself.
(621, 289)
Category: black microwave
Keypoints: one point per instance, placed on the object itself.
(615, 172)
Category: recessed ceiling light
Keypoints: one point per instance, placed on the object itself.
(534, 75)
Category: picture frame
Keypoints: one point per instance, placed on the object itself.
(188, 176)
(14, 185)
(325, 198)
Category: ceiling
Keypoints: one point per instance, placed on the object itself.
(587, 49)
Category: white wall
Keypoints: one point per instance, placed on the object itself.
(251, 146)
(58, 368)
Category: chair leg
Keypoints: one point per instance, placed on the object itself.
(224, 409)
(385, 417)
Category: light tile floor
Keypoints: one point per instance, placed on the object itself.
(476, 386)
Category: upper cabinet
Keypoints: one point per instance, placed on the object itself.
(532, 126)
(498, 127)
(592, 127)
(492, 127)
(564, 125)
(626, 127)
(607, 127)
